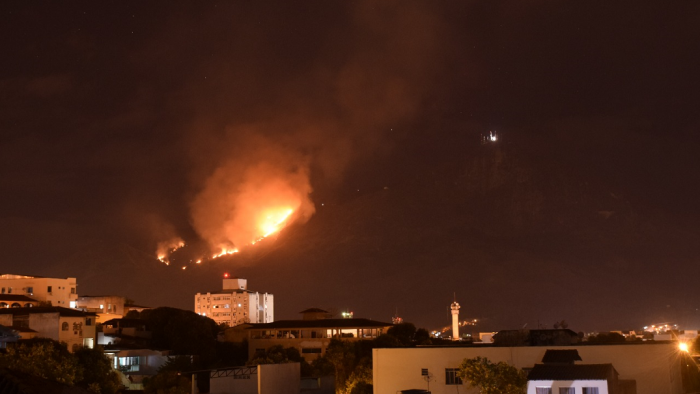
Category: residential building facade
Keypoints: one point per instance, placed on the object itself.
(235, 304)
(106, 307)
(311, 335)
(655, 368)
(134, 365)
(73, 327)
(17, 301)
(58, 291)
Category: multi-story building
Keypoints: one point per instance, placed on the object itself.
(106, 307)
(235, 304)
(651, 367)
(312, 335)
(58, 291)
(75, 328)
(17, 301)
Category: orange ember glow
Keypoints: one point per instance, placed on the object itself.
(224, 252)
(226, 275)
(165, 248)
(272, 221)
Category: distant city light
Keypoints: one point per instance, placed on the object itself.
(683, 347)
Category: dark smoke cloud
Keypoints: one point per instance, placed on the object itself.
(272, 104)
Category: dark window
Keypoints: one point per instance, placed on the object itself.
(590, 390)
(49, 289)
(424, 371)
(64, 326)
(452, 377)
(543, 390)
(567, 390)
(311, 350)
(30, 290)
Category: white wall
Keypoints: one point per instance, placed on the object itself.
(578, 385)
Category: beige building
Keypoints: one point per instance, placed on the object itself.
(58, 291)
(235, 304)
(106, 307)
(73, 327)
(654, 367)
(17, 301)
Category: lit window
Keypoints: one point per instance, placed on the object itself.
(452, 377)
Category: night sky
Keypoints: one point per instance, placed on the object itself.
(126, 125)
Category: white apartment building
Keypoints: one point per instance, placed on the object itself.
(58, 291)
(235, 304)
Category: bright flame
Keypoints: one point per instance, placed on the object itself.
(165, 248)
(224, 252)
(273, 220)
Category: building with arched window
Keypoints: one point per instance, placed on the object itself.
(17, 301)
(56, 291)
(73, 327)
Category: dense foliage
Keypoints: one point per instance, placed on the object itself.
(183, 332)
(48, 359)
(490, 378)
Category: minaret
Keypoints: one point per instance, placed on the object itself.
(455, 320)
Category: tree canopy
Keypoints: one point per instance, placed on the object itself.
(43, 358)
(183, 332)
(490, 378)
(49, 359)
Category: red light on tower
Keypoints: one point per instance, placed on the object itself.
(226, 275)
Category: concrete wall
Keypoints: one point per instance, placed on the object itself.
(6, 320)
(113, 306)
(73, 336)
(279, 378)
(655, 367)
(269, 379)
(47, 326)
